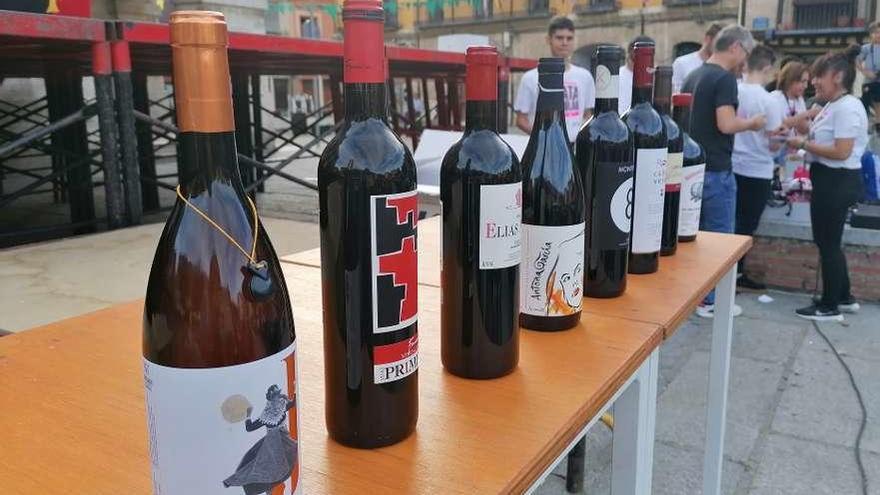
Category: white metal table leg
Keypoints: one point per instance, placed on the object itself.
(719, 373)
(633, 441)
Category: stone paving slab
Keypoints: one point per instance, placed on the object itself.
(819, 403)
(681, 419)
(793, 466)
(50, 281)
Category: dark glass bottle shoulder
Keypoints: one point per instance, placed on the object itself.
(369, 146)
(673, 133)
(551, 180)
(606, 127)
(643, 119)
(693, 152)
(482, 153)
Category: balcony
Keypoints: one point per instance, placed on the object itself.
(487, 10)
(596, 6)
(823, 14)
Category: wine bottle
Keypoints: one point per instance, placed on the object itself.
(604, 156)
(218, 335)
(553, 214)
(693, 169)
(649, 137)
(481, 192)
(368, 214)
(663, 105)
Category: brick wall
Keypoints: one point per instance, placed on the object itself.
(791, 264)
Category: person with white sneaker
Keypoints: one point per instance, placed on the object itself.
(835, 142)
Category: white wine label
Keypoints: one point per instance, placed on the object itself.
(500, 219)
(395, 361)
(607, 85)
(650, 191)
(393, 218)
(224, 430)
(673, 172)
(551, 273)
(691, 199)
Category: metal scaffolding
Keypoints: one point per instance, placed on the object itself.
(115, 141)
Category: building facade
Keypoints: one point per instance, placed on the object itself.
(519, 27)
(807, 28)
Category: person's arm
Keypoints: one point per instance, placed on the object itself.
(860, 62)
(525, 102)
(840, 150)
(800, 120)
(522, 121)
(729, 123)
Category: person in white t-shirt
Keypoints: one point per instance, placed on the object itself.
(791, 83)
(836, 141)
(580, 88)
(685, 64)
(753, 151)
(625, 77)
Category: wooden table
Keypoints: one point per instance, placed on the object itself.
(73, 421)
(665, 298)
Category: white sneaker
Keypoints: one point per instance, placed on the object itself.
(708, 310)
(852, 307)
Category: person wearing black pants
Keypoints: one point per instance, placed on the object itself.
(753, 150)
(751, 197)
(837, 138)
(834, 191)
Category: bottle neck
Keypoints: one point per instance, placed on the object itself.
(481, 115)
(551, 99)
(663, 106)
(641, 94)
(208, 159)
(607, 75)
(606, 105)
(365, 100)
(681, 115)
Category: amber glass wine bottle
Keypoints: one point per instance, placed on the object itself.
(218, 336)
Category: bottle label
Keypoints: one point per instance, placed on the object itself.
(500, 219)
(212, 429)
(395, 361)
(393, 218)
(691, 199)
(649, 194)
(613, 205)
(673, 172)
(552, 269)
(607, 85)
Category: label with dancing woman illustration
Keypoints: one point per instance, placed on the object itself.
(236, 432)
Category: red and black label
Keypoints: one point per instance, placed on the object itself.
(395, 261)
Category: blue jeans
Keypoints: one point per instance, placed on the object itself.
(718, 212)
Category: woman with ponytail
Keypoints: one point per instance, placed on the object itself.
(835, 143)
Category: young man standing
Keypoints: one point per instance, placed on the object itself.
(580, 88)
(753, 151)
(685, 64)
(713, 124)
